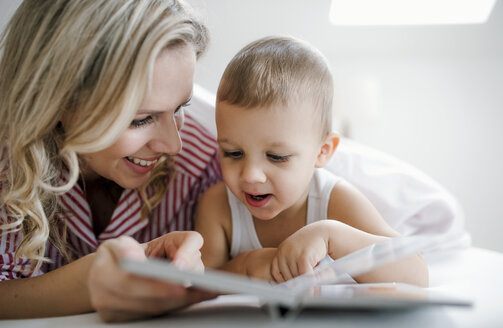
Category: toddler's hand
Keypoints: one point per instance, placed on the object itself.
(299, 254)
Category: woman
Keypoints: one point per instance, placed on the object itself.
(91, 104)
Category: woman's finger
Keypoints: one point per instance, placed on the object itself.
(187, 244)
(180, 246)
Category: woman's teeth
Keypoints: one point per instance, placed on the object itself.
(140, 162)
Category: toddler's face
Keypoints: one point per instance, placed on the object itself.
(268, 155)
(154, 130)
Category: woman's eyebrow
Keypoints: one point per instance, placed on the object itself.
(149, 111)
(153, 111)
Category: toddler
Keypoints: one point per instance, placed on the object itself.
(278, 213)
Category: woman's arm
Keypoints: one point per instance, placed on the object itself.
(96, 282)
(60, 292)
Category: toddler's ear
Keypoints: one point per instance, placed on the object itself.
(327, 149)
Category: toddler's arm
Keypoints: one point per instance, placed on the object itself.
(255, 263)
(353, 224)
(363, 226)
(213, 222)
(303, 250)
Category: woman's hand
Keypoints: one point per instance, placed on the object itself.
(182, 247)
(119, 296)
(299, 253)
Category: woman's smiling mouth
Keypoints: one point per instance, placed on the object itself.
(140, 166)
(141, 162)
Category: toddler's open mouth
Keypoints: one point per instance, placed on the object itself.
(258, 200)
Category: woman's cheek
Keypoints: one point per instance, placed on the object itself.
(179, 119)
(131, 141)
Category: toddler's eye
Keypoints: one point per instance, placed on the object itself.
(142, 122)
(233, 154)
(278, 158)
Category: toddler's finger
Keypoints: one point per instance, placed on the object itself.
(284, 269)
(276, 274)
(292, 266)
(304, 267)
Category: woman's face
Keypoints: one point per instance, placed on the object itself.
(154, 130)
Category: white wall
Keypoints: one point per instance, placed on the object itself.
(437, 90)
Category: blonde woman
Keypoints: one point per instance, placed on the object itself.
(92, 95)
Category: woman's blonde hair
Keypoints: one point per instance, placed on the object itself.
(279, 70)
(90, 63)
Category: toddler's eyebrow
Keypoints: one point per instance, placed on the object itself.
(278, 144)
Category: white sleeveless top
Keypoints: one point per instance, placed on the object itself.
(244, 236)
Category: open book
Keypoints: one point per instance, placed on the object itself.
(320, 289)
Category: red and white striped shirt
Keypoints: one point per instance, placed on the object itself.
(197, 167)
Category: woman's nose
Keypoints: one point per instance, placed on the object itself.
(253, 173)
(167, 137)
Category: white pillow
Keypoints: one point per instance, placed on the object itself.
(410, 201)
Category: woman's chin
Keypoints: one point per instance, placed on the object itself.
(131, 183)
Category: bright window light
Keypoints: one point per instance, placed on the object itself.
(410, 12)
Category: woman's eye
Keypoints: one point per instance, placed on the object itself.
(142, 122)
(278, 158)
(233, 154)
(180, 108)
